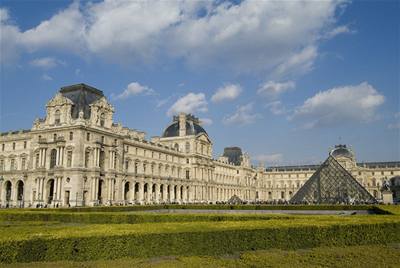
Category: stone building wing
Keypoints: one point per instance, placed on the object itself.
(332, 184)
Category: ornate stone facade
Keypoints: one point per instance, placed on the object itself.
(77, 156)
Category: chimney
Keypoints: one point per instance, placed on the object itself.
(182, 124)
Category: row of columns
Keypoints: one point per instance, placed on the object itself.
(60, 156)
(96, 154)
(40, 189)
(42, 157)
(148, 192)
(57, 189)
(112, 159)
(94, 189)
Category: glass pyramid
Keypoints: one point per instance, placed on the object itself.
(332, 184)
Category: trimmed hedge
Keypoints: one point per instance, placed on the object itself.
(123, 218)
(216, 242)
(115, 216)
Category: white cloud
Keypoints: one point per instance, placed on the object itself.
(298, 63)
(343, 29)
(272, 89)
(249, 36)
(226, 93)
(394, 125)
(244, 115)
(269, 158)
(206, 121)
(47, 77)
(340, 105)
(133, 89)
(9, 39)
(46, 62)
(64, 31)
(190, 103)
(276, 107)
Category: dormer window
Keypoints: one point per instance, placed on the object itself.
(102, 119)
(57, 116)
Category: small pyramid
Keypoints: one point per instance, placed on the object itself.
(332, 184)
(234, 200)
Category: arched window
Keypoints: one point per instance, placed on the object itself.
(53, 158)
(57, 116)
(176, 147)
(102, 119)
(187, 147)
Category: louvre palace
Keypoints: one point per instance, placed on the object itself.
(77, 156)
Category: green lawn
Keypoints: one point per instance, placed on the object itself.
(353, 256)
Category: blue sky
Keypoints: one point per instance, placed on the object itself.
(284, 80)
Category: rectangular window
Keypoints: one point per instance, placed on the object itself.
(23, 163)
(71, 136)
(115, 161)
(102, 139)
(88, 136)
(13, 145)
(69, 158)
(2, 165)
(37, 160)
(55, 137)
(12, 166)
(24, 144)
(187, 174)
(3, 146)
(126, 165)
(87, 159)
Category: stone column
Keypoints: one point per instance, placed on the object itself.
(157, 197)
(149, 192)
(178, 193)
(141, 192)
(184, 194)
(60, 189)
(171, 193)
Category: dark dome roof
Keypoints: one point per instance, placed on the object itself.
(341, 150)
(192, 128)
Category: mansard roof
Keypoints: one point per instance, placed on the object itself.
(234, 155)
(332, 184)
(82, 96)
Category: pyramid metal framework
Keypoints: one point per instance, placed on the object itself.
(332, 184)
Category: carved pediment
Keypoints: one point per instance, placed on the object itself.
(102, 103)
(59, 100)
(203, 137)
